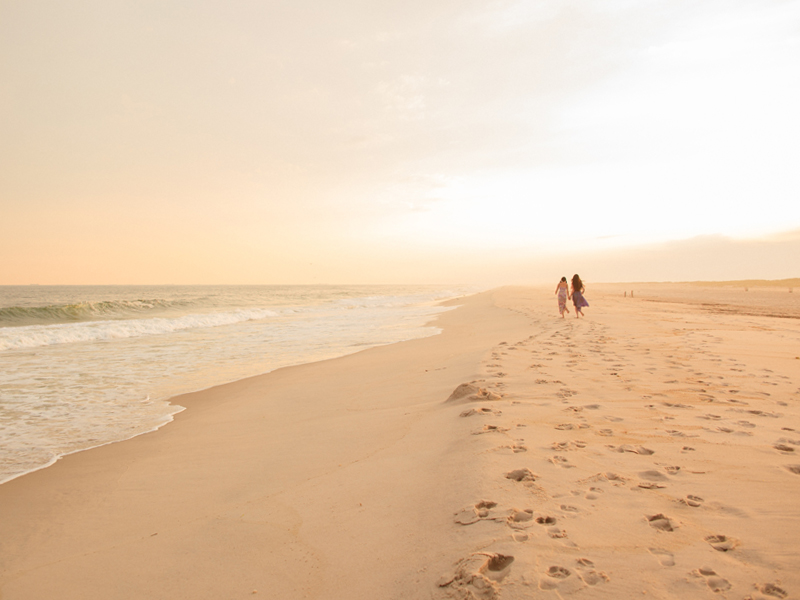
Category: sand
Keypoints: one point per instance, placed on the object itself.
(648, 450)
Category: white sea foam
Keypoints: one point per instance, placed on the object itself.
(85, 366)
(33, 336)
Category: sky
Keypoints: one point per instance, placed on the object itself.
(435, 141)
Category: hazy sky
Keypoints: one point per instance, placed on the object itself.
(350, 141)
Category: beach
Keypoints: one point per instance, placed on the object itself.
(83, 366)
(649, 449)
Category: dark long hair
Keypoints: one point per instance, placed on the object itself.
(577, 284)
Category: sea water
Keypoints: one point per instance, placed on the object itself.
(83, 366)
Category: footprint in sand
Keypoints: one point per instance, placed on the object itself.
(634, 449)
(570, 445)
(557, 572)
(674, 405)
(783, 448)
(660, 522)
(477, 573)
(588, 573)
(665, 557)
(520, 518)
(569, 426)
(481, 411)
(727, 430)
(561, 580)
(520, 536)
(761, 413)
(770, 589)
(735, 401)
(490, 429)
(691, 500)
(593, 493)
(546, 520)
(721, 543)
(605, 432)
(497, 566)
(793, 469)
(651, 486)
(678, 433)
(521, 475)
(710, 417)
(561, 461)
(715, 582)
(613, 478)
(476, 512)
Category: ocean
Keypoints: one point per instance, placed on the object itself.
(83, 366)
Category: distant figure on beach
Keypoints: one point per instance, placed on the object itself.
(561, 290)
(577, 295)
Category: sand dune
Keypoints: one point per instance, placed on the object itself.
(647, 450)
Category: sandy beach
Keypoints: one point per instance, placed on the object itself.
(647, 450)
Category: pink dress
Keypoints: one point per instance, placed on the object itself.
(562, 299)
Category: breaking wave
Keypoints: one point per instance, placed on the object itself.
(33, 336)
(83, 311)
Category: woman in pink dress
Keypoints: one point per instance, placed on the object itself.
(561, 291)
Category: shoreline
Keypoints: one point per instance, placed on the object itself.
(648, 447)
(217, 418)
(161, 394)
